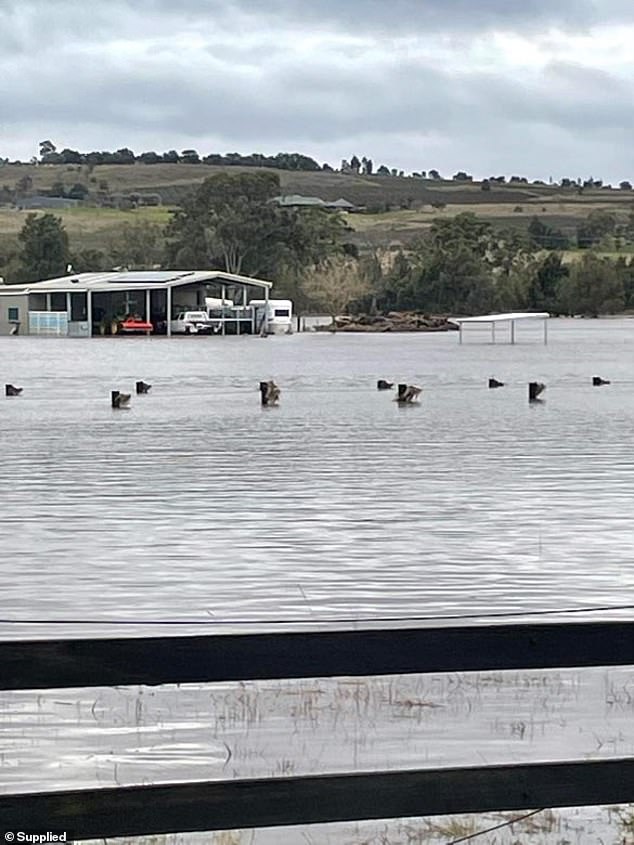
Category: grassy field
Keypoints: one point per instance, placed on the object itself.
(88, 228)
(404, 206)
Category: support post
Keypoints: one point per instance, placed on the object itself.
(68, 309)
(48, 302)
(89, 311)
(169, 311)
(545, 331)
(460, 332)
(223, 294)
(147, 306)
(513, 331)
(493, 330)
(266, 310)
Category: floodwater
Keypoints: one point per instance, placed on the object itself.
(198, 505)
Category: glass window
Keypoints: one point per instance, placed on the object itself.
(58, 302)
(282, 312)
(14, 313)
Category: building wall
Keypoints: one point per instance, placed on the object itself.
(12, 307)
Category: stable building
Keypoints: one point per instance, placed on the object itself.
(91, 304)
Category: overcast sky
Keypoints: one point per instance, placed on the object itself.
(530, 87)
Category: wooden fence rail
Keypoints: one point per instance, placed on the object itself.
(273, 802)
(218, 805)
(54, 664)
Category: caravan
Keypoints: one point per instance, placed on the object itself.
(275, 316)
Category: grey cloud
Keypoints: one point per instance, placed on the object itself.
(291, 103)
(40, 20)
(247, 87)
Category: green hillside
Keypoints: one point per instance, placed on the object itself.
(398, 209)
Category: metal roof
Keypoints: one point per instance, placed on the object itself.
(499, 318)
(126, 279)
(297, 199)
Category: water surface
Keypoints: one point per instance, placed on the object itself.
(198, 505)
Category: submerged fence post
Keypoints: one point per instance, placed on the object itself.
(534, 389)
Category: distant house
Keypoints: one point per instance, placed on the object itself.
(341, 205)
(298, 201)
(42, 202)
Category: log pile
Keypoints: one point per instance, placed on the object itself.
(394, 321)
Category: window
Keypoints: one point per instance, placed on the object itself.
(282, 312)
(58, 302)
(14, 314)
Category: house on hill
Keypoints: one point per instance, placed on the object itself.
(37, 202)
(298, 201)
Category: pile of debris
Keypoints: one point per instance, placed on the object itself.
(394, 321)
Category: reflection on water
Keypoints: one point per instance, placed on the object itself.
(197, 504)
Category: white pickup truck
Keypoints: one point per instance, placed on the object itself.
(193, 322)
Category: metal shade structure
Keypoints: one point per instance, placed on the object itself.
(510, 319)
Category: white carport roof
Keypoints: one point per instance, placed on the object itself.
(127, 279)
(499, 318)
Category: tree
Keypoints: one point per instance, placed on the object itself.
(68, 156)
(46, 148)
(625, 186)
(461, 176)
(171, 157)
(57, 189)
(544, 290)
(23, 185)
(486, 185)
(123, 156)
(593, 287)
(190, 157)
(78, 191)
(44, 250)
(463, 229)
(150, 158)
(450, 270)
(355, 164)
(598, 225)
(435, 175)
(231, 222)
(91, 261)
(137, 246)
(542, 236)
(229, 218)
(383, 171)
(48, 153)
(334, 284)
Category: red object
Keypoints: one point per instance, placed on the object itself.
(136, 326)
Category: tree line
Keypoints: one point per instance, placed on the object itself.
(462, 266)
(49, 154)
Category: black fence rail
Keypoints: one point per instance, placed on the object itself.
(221, 805)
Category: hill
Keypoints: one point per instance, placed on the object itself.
(399, 208)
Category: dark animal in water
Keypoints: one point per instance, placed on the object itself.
(269, 392)
(493, 382)
(597, 381)
(408, 393)
(143, 387)
(11, 390)
(120, 400)
(384, 385)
